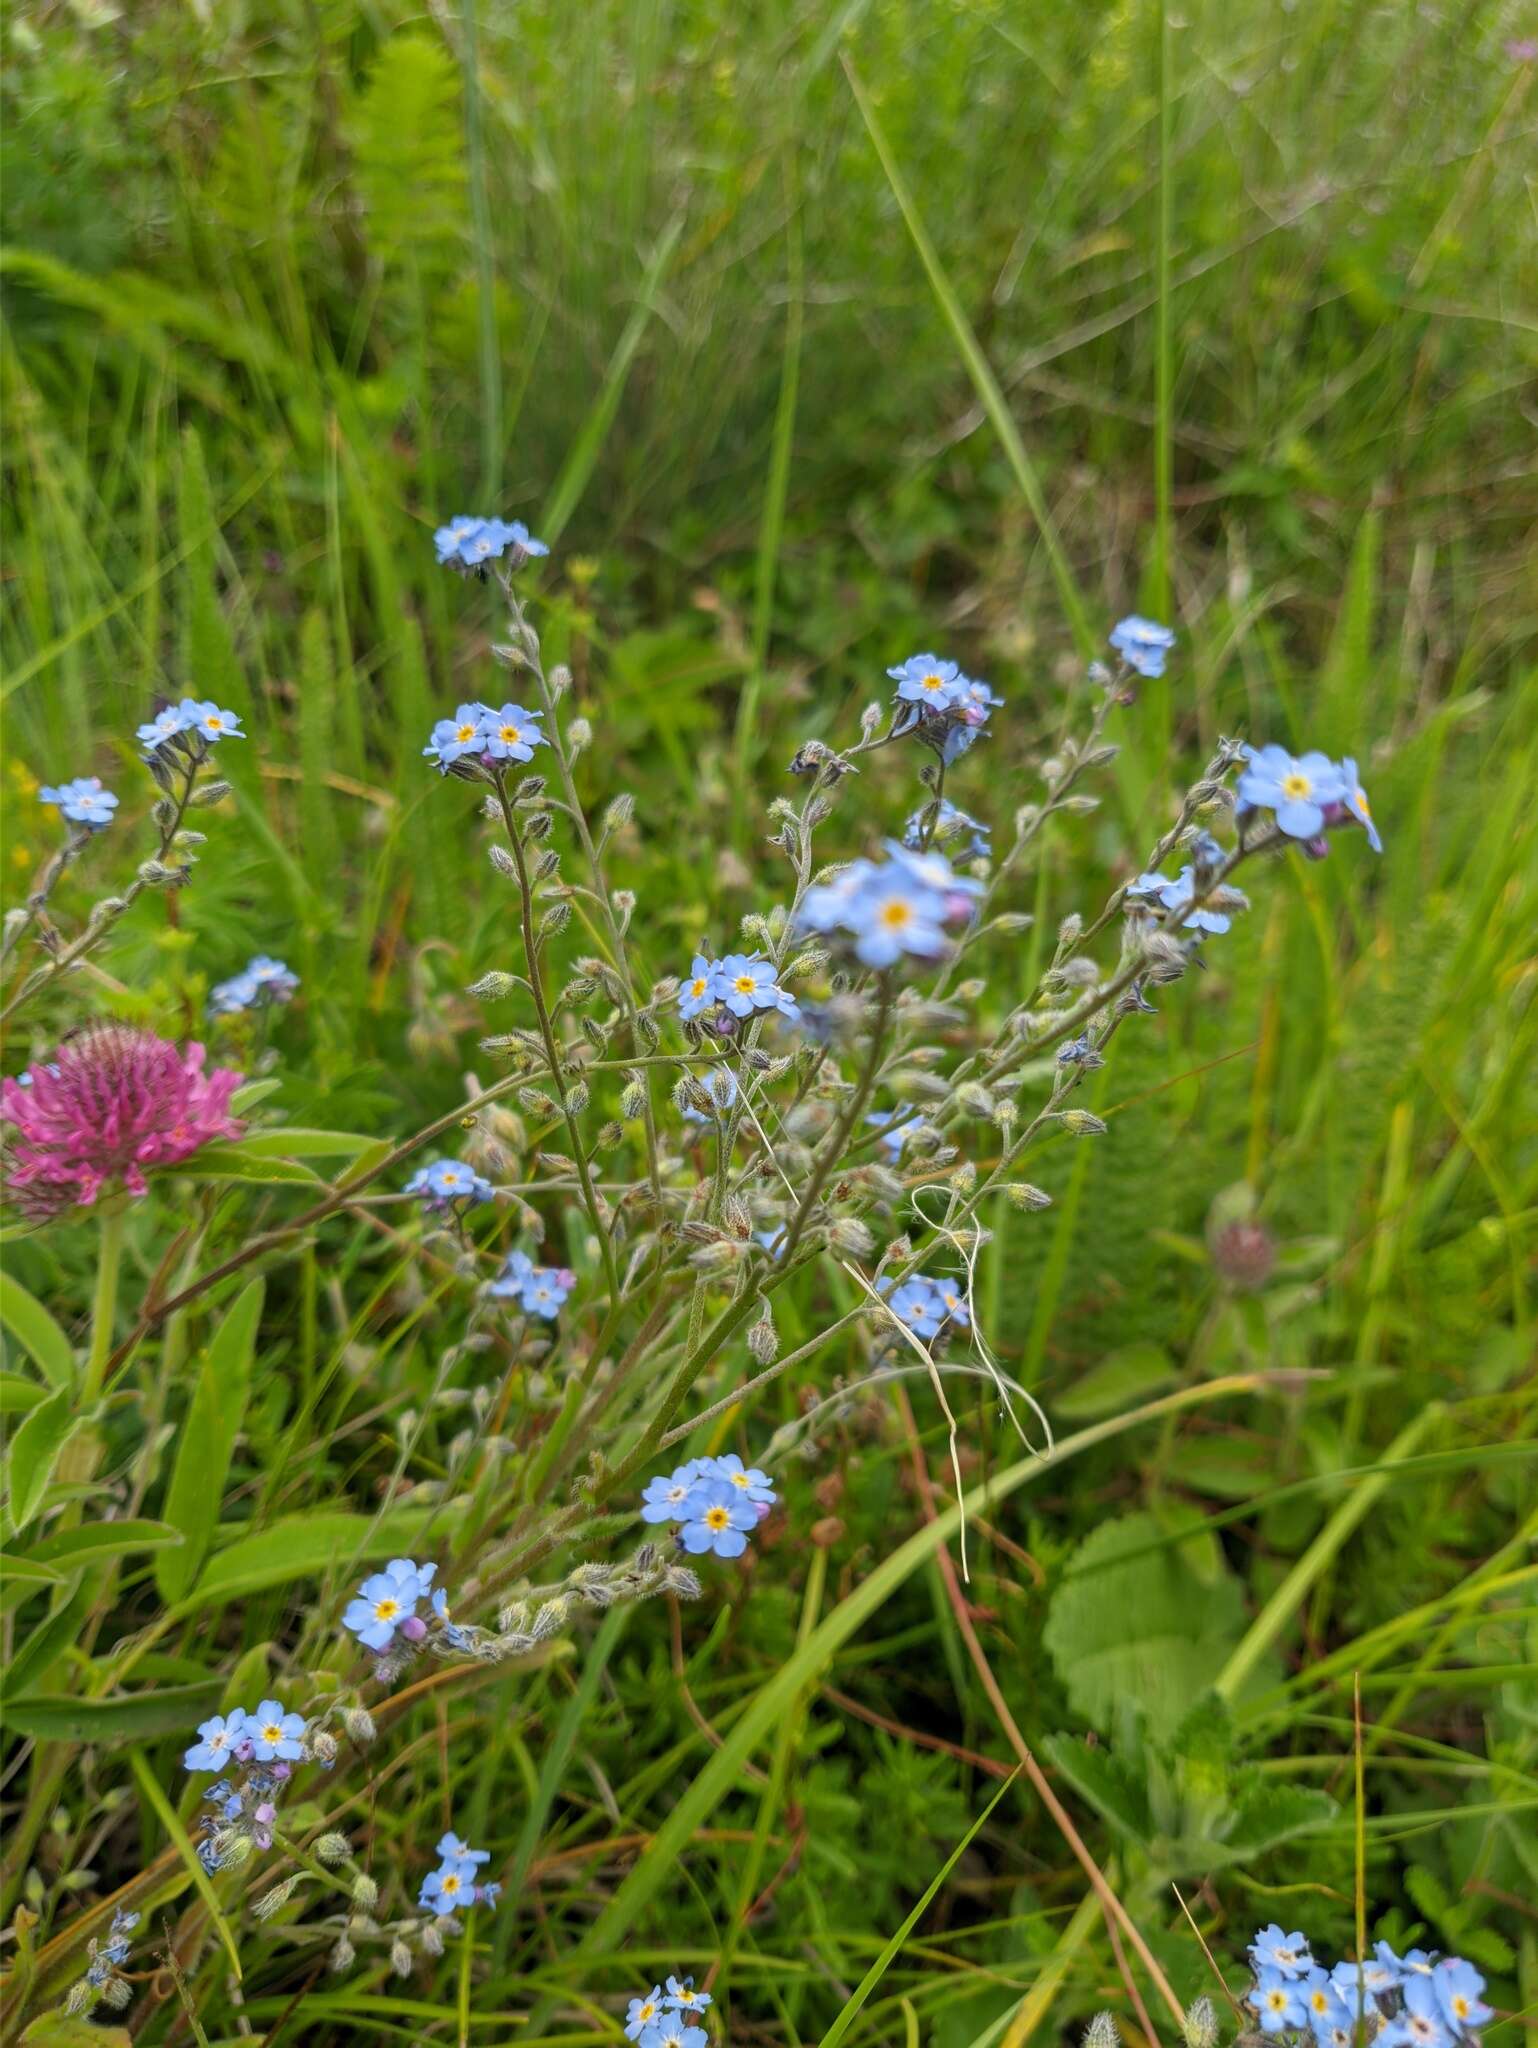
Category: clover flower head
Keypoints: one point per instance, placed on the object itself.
(272, 1733)
(926, 680)
(445, 1183)
(718, 1518)
(511, 733)
(1143, 644)
(112, 1102)
(1458, 1986)
(216, 1742)
(642, 2011)
(386, 1602)
(1298, 789)
(85, 801)
(1273, 1950)
(1277, 2001)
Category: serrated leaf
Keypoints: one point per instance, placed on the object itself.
(1147, 1629)
(218, 1406)
(1116, 1793)
(1119, 1381)
(62, 1717)
(33, 1453)
(1265, 1812)
(36, 1331)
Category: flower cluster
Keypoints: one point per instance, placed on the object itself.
(85, 801)
(1176, 895)
(449, 1184)
(106, 1959)
(469, 544)
(733, 988)
(386, 1604)
(935, 823)
(714, 1501)
(939, 705)
(189, 728)
(538, 1290)
(665, 2018)
(479, 737)
(1306, 794)
(1417, 2000)
(260, 983)
(909, 903)
(1143, 644)
(262, 1747)
(455, 1885)
(110, 1103)
(926, 1305)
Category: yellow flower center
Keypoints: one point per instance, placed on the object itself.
(1460, 2006)
(450, 1883)
(896, 913)
(511, 734)
(717, 1518)
(386, 1610)
(740, 1480)
(451, 1180)
(744, 984)
(465, 732)
(931, 681)
(1276, 1999)
(272, 1732)
(1359, 798)
(698, 986)
(1296, 786)
(646, 2011)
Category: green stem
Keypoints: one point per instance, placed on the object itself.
(109, 1261)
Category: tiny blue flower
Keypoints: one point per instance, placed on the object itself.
(700, 988)
(517, 1271)
(1360, 1983)
(488, 1894)
(449, 539)
(1458, 1986)
(1178, 893)
(490, 540)
(959, 739)
(746, 1480)
(229, 998)
(1142, 643)
(894, 915)
(449, 1888)
(1278, 2002)
(273, 1733)
(386, 1602)
(512, 734)
(1419, 2022)
(275, 980)
(673, 2030)
(926, 680)
(208, 719)
(682, 1996)
(951, 822)
(642, 2012)
(1323, 2003)
(671, 1499)
(1273, 1950)
(1354, 799)
(163, 727)
(746, 983)
(447, 1182)
(719, 1517)
(1296, 789)
(917, 1303)
(218, 1737)
(546, 1290)
(451, 1849)
(84, 801)
(455, 737)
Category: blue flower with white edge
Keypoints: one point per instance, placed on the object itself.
(448, 540)
(1458, 1986)
(512, 734)
(700, 988)
(85, 801)
(642, 2011)
(747, 983)
(447, 1182)
(274, 1734)
(163, 727)
(926, 680)
(746, 1480)
(682, 1996)
(719, 1516)
(1143, 644)
(1179, 893)
(455, 737)
(1278, 2001)
(452, 1850)
(671, 1499)
(210, 721)
(448, 1889)
(1273, 1950)
(1419, 2022)
(217, 1738)
(674, 2030)
(1297, 788)
(1353, 804)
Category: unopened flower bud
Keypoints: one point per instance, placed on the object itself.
(365, 1893)
(359, 1723)
(1201, 2024)
(503, 861)
(764, 1339)
(579, 734)
(277, 1898)
(1101, 2032)
(342, 1955)
(1081, 1123)
(323, 1746)
(1024, 1196)
(493, 986)
(332, 1848)
(400, 1958)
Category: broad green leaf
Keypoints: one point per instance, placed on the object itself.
(73, 2030)
(150, 1787)
(1117, 1794)
(48, 1641)
(302, 1547)
(247, 1097)
(94, 1541)
(33, 1453)
(1119, 1381)
(20, 1578)
(18, 1394)
(36, 1331)
(196, 1491)
(290, 1142)
(237, 1162)
(1266, 1812)
(61, 1717)
(1150, 1629)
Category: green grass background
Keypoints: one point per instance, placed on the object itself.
(809, 335)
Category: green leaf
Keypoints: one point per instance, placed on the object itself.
(250, 1094)
(1100, 1777)
(61, 1717)
(18, 1394)
(302, 1547)
(36, 1331)
(239, 1162)
(149, 1786)
(73, 2030)
(879, 1967)
(293, 1142)
(20, 1579)
(33, 1453)
(1151, 1629)
(1119, 1381)
(1265, 1812)
(218, 1407)
(94, 1541)
(47, 1641)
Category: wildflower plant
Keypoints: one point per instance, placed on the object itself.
(795, 1102)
